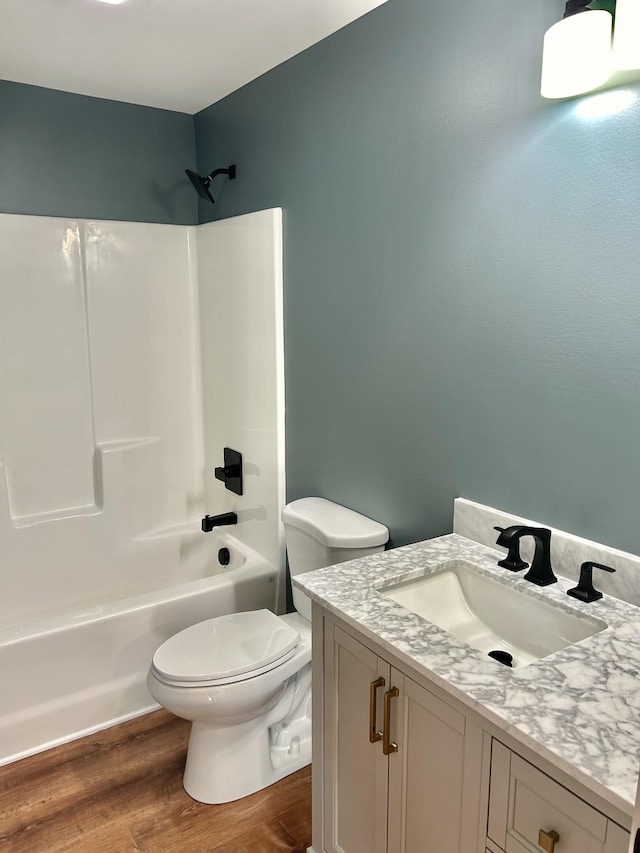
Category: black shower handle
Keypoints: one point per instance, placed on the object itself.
(231, 472)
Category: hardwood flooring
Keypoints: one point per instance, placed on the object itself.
(121, 790)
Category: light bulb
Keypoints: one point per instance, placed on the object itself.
(577, 54)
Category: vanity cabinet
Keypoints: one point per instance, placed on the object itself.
(424, 795)
(529, 811)
(398, 768)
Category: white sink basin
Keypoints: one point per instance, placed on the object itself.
(489, 615)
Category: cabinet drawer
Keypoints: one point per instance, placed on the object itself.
(524, 802)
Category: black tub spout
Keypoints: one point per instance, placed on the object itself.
(211, 521)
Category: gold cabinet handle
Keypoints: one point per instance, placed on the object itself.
(548, 840)
(374, 735)
(387, 746)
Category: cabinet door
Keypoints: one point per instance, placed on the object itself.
(618, 839)
(434, 778)
(356, 771)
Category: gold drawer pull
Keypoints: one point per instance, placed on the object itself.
(548, 840)
(374, 736)
(387, 746)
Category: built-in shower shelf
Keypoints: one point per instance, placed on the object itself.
(127, 476)
(124, 543)
(55, 515)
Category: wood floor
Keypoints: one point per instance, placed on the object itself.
(121, 790)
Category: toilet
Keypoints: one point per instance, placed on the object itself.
(244, 679)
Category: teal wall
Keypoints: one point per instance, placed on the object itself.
(462, 269)
(70, 155)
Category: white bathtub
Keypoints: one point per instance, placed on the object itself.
(76, 673)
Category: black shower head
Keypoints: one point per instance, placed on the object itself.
(202, 184)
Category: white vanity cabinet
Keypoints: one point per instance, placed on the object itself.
(447, 783)
(424, 795)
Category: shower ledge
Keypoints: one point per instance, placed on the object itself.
(127, 477)
(22, 521)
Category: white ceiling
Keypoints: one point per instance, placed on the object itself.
(176, 54)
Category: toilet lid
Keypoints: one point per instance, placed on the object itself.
(225, 647)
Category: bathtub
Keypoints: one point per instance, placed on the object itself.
(75, 673)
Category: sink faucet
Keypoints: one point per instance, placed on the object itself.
(211, 521)
(540, 572)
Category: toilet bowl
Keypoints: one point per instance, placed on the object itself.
(244, 679)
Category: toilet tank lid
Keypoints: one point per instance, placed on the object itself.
(333, 525)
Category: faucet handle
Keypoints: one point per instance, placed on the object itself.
(585, 590)
(512, 561)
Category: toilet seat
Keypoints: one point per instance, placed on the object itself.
(225, 650)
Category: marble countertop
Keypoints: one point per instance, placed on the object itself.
(579, 707)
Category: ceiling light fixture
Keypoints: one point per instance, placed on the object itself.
(577, 51)
(626, 38)
(112, 2)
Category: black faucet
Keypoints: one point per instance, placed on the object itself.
(211, 521)
(540, 572)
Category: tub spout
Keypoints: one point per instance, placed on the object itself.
(211, 521)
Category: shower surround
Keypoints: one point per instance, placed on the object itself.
(106, 460)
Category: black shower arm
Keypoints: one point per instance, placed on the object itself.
(230, 171)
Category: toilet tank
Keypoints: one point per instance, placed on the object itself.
(320, 533)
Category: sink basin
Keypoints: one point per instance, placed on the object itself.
(489, 615)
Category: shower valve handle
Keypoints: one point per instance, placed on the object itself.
(227, 471)
(231, 472)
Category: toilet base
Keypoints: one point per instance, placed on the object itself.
(226, 764)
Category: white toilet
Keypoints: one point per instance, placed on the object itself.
(245, 679)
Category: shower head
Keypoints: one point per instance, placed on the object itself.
(202, 183)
